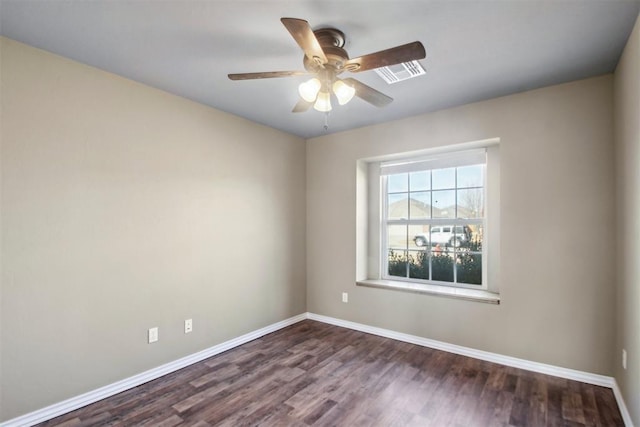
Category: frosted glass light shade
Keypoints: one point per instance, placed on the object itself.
(323, 103)
(309, 89)
(343, 92)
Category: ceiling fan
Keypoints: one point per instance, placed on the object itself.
(326, 59)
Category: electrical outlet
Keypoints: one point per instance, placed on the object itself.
(188, 326)
(153, 335)
(345, 297)
(624, 359)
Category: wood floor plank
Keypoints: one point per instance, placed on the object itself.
(314, 374)
(589, 407)
(73, 422)
(572, 407)
(609, 413)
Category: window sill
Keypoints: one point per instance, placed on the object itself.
(443, 291)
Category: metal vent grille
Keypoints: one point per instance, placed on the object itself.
(399, 72)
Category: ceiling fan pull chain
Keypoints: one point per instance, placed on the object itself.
(326, 122)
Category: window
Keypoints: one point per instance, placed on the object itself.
(438, 210)
(433, 219)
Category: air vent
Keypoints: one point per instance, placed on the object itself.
(399, 72)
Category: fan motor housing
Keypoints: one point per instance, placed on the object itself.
(332, 41)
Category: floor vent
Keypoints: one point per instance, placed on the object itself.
(397, 73)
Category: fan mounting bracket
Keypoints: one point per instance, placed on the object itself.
(330, 37)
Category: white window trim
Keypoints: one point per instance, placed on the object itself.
(369, 242)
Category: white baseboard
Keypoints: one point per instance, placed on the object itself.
(77, 402)
(626, 416)
(556, 371)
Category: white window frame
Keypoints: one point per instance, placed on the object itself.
(429, 163)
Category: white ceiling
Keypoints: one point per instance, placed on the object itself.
(475, 49)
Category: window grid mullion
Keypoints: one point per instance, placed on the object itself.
(436, 221)
(406, 251)
(455, 214)
(406, 231)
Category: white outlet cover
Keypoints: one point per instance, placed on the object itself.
(624, 359)
(153, 335)
(345, 297)
(188, 326)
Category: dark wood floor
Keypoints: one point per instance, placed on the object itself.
(321, 375)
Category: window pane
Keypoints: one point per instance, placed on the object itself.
(419, 235)
(419, 265)
(441, 245)
(471, 203)
(461, 236)
(442, 264)
(397, 263)
(420, 205)
(444, 204)
(398, 206)
(420, 181)
(469, 268)
(397, 183)
(446, 236)
(471, 176)
(444, 178)
(476, 232)
(397, 237)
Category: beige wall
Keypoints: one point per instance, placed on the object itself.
(124, 208)
(627, 139)
(557, 219)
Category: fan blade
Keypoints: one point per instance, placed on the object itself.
(266, 75)
(302, 106)
(395, 55)
(303, 35)
(368, 93)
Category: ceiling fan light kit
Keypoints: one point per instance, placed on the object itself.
(309, 89)
(323, 103)
(343, 92)
(326, 59)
